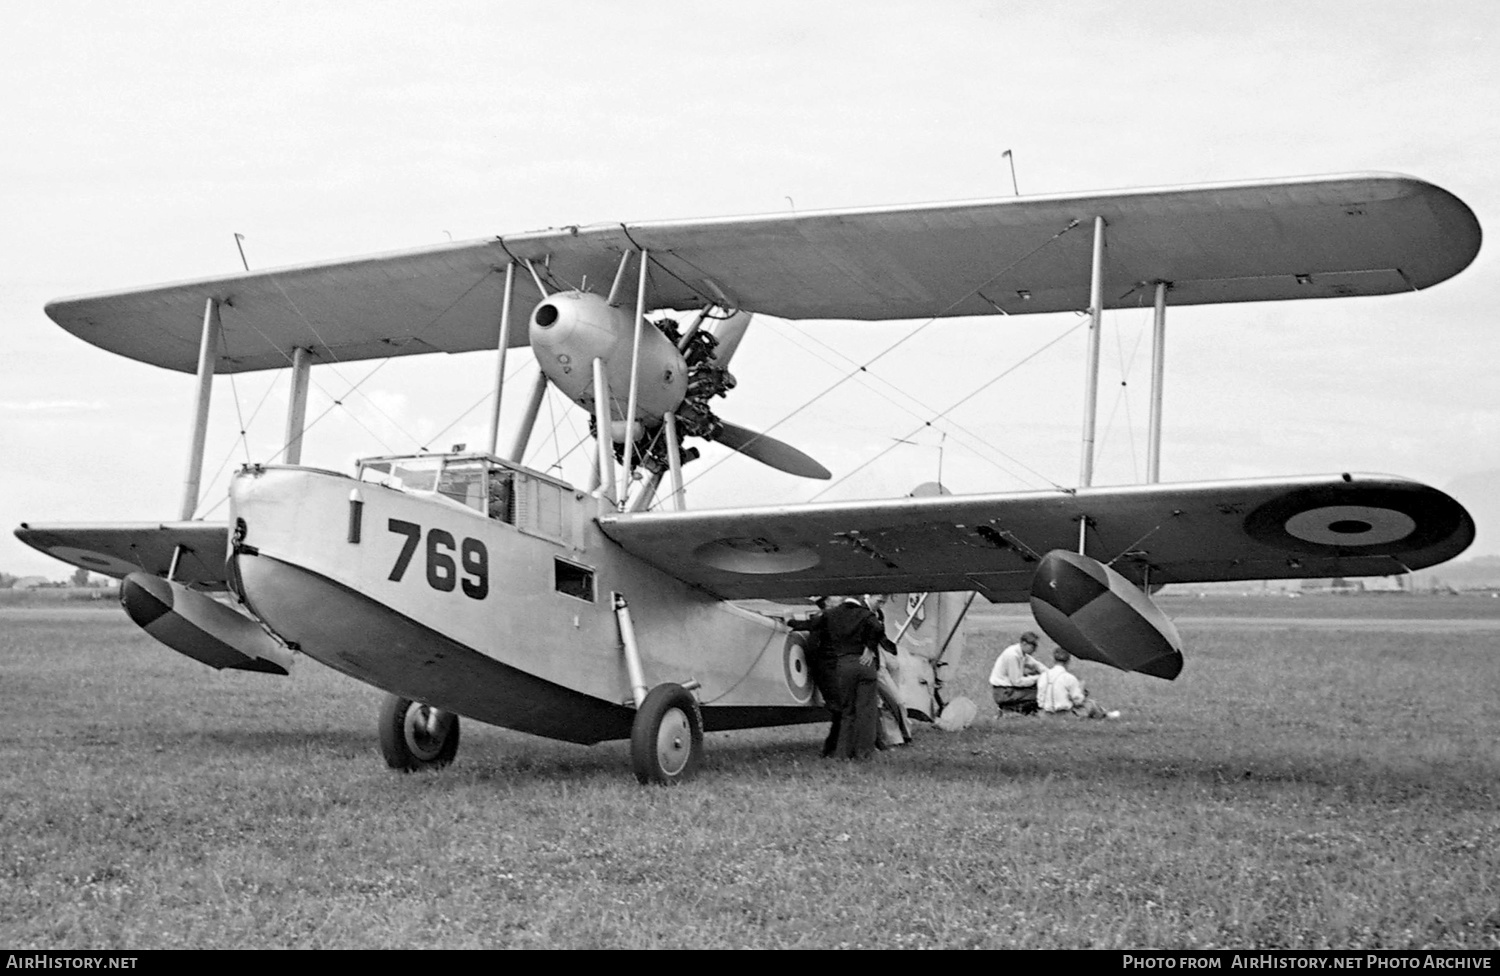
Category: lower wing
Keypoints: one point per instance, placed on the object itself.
(1284, 528)
(118, 549)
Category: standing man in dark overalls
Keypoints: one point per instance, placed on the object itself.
(823, 668)
(853, 636)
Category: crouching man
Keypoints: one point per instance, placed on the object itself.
(1058, 692)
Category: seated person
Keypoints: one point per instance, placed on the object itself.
(501, 495)
(1013, 679)
(1058, 692)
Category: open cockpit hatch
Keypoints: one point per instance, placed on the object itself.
(533, 502)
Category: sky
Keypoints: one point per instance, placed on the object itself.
(142, 137)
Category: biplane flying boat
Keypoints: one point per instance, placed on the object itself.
(466, 584)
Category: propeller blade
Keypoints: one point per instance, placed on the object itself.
(768, 450)
(729, 332)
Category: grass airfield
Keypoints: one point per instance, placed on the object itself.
(1326, 772)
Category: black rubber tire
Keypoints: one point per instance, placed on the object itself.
(404, 741)
(666, 740)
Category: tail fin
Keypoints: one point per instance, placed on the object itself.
(929, 632)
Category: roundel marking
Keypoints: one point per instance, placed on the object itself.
(1351, 525)
(98, 562)
(755, 555)
(794, 664)
(1346, 518)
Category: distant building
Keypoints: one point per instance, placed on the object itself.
(1345, 587)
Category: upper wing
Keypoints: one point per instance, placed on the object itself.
(1314, 237)
(1230, 530)
(131, 547)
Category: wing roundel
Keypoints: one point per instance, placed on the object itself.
(1334, 520)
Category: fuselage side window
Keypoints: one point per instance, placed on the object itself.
(573, 580)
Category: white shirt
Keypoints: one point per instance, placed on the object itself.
(1057, 690)
(1010, 669)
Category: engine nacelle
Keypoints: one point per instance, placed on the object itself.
(1094, 613)
(201, 627)
(571, 329)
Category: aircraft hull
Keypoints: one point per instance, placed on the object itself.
(511, 624)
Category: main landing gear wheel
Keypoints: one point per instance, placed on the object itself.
(416, 736)
(666, 741)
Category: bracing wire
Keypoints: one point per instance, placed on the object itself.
(865, 366)
(923, 410)
(1122, 399)
(960, 402)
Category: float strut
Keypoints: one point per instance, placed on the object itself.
(632, 650)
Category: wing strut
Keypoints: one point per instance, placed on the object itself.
(1158, 371)
(1091, 377)
(510, 289)
(603, 443)
(674, 458)
(296, 408)
(528, 419)
(212, 327)
(635, 371)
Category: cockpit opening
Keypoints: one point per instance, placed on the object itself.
(498, 489)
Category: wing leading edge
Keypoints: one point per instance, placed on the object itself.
(1292, 528)
(1308, 237)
